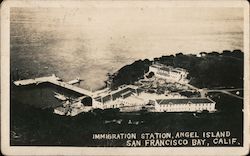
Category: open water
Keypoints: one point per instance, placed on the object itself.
(89, 43)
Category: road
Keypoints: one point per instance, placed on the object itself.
(204, 91)
(226, 91)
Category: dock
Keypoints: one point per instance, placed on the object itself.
(54, 80)
(36, 80)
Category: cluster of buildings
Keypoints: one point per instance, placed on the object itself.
(124, 96)
(73, 107)
(132, 98)
(129, 98)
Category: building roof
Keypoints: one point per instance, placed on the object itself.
(106, 98)
(126, 91)
(61, 109)
(184, 101)
(168, 68)
(157, 65)
(123, 91)
(181, 69)
(98, 98)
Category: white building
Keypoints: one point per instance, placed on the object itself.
(125, 96)
(75, 108)
(169, 73)
(185, 105)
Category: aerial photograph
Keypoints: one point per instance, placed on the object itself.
(128, 76)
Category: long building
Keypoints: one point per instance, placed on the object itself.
(185, 105)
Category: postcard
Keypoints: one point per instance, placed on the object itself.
(124, 77)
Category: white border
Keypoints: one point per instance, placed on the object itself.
(36, 150)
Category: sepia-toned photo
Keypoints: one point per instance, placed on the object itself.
(124, 77)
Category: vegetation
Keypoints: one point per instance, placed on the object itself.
(209, 70)
(130, 73)
(33, 126)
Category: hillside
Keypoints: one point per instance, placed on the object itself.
(209, 70)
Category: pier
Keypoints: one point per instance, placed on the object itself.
(54, 80)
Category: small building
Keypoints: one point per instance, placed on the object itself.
(169, 73)
(185, 105)
(61, 110)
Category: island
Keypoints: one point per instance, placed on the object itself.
(210, 91)
(180, 83)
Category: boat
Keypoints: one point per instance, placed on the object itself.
(77, 80)
(60, 96)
